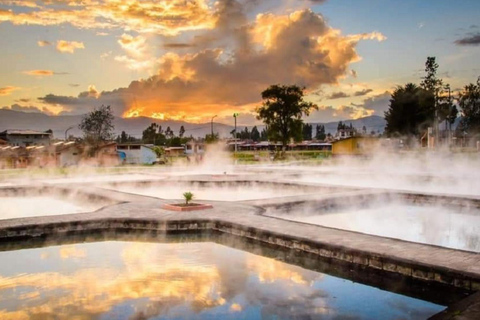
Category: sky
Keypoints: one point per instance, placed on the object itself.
(194, 59)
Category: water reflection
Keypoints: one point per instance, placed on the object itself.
(131, 280)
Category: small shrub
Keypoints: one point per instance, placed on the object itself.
(188, 197)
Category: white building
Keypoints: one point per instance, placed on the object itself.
(136, 153)
(193, 147)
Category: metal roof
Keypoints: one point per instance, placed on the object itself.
(25, 132)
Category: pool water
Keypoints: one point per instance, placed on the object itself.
(137, 280)
(32, 206)
(442, 226)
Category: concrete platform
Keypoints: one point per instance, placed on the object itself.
(131, 212)
(431, 263)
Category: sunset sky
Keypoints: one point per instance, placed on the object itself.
(193, 59)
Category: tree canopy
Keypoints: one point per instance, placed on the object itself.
(320, 132)
(282, 110)
(410, 110)
(97, 126)
(469, 101)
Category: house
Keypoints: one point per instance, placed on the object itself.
(68, 154)
(174, 151)
(193, 147)
(14, 157)
(357, 145)
(26, 138)
(345, 133)
(107, 155)
(3, 142)
(136, 153)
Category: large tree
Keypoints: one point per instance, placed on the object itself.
(97, 127)
(320, 132)
(153, 134)
(469, 101)
(410, 110)
(125, 138)
(282, 110)
(431, 82)
(307, 131)
(181, 132)
(255, 134)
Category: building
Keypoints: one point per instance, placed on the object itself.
(174, 151)
(357, 145)
(26, 138)
(69, 154)
(192, 148)
(345, 133)
(137, 153)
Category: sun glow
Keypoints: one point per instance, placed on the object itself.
(133, 113)
(158, 115)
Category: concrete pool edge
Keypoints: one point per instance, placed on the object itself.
(416, 261)
(386, 262)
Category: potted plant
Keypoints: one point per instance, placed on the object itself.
(187, 205)
(188, 197)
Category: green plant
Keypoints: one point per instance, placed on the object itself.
(188, 197)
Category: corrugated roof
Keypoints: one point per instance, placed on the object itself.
(24, 132)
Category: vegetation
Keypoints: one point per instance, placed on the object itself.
(126, 138)
(211, 138)
(469, 101)
(188, 197)
(97, 127)
(282, 110)
(414, 108)
(155, 135)
(245, 134)
(320, 132)
(307, 131)
(410, 111)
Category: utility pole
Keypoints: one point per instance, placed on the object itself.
(235, 115)
(435, 123)
(447, 118)
(212, 124)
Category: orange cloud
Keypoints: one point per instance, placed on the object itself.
(133, 45)
(69, 46)
(219, 79)
(6, 91)
(39, 73)
(145, 16)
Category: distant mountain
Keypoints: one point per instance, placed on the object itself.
(10, 119)
(372, 123)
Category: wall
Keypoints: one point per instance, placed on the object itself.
(22, 141)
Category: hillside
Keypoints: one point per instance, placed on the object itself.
(10, 119)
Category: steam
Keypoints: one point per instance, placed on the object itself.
(22, 207)
(215, 176)
(450, 227)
